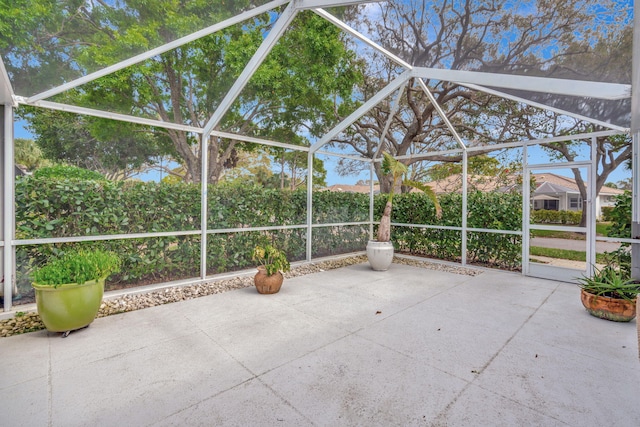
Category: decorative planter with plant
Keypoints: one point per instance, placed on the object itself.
(610, 294)
(69, 289)
(380, 251)
(273, 262)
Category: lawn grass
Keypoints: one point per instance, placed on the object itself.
(601, 230)
(564, 254)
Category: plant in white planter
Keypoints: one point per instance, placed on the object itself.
(380, 251)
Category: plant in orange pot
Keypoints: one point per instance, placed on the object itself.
(610, 294)
(273, 262)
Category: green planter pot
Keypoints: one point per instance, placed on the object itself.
(69, 307)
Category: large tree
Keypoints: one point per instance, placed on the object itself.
(538, 37)
(115, 149)
(296, 87)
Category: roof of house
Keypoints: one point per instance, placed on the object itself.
(569, 184)
(348, 188)
(453, 183)
(546, 183)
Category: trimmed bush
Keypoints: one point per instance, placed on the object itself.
(607, 213)
(543, 216)
(620, 217)
(72, 207)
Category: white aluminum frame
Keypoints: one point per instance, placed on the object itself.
(8, 213)
(472, 80)
(581, 88)
(562, 273)
(6, 90)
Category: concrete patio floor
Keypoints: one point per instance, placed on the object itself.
(344, 347)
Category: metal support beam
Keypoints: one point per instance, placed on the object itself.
(113, 116)
(394, 109)
(347, 29)
(312, 4)
(269, 42)
(3, 292)
(441, 113)
(526, 218)
(635, 206)
(544, 107)
(364, 108)
(371, 175)
(635, 133)
(8, 209)
(465, 190)
(6, 91)
(591, 206)
(534, 84)
(309, 206)
(204, 208)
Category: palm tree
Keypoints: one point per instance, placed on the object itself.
(395, 168)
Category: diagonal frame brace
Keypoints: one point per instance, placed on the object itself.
(269, 42)
(364, 108)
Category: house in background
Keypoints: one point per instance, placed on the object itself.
(552, 192)
(560, 193)
(352, 188)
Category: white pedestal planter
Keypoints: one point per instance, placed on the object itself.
(380, 254)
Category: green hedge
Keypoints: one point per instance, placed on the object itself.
(607, 213)
(543, 216)
(48, 207)
(73, 207)
(497, 211)
(620, 216)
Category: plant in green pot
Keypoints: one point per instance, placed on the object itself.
(610, 294)
(69, 289)
(273, 262)
(380, 251)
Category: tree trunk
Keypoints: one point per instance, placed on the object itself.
(384, 230)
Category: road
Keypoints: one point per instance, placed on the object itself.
(576, 245)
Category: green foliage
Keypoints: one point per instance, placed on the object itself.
(48, 208)
(27, 153)
(498, 211)
(67, 172)
(302, 83)
(607, 213)
(620, 259)
(620, 217)
(477, 165)
(77, 267)
(543, 216)
(395, 168)
(271, 258)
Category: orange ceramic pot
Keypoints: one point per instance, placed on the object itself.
(616, 309)
(268, 284)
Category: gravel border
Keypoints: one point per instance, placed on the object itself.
(30, 321)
